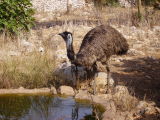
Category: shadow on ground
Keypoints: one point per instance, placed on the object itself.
(53, 23)
(149, 117)
(141, 76)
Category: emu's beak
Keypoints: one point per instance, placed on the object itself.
(61, 34)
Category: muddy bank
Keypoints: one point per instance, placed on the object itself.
(25, 91)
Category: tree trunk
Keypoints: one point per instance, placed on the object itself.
(139, 4)
(69, 6)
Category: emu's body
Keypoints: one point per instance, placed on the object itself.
(97, 46)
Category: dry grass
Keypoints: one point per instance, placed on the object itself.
(107, 15)
(125, 102)
(32, 71)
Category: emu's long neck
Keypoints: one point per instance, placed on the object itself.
(70, 50)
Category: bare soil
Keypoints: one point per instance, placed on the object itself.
(141, 75)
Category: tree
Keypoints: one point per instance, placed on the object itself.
(15, 16)
(139, 4)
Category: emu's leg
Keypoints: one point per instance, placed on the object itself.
(108, 77)
(95, 72)
(94, 84)
(72, 72)
(77, 78)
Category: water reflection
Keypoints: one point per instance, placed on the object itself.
(20, 107)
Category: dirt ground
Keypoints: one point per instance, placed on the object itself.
(141, 75)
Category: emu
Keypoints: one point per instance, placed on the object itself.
(98, 45)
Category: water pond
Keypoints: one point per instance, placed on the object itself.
(42, 107)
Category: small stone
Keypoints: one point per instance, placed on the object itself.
(41, 49)
(83, 94)
(124, 3)
(101, 79)
(53, 90)
(158, 110)
(106, 96)
(135, 52)
(142, 104)
(121, 90)
(14, 53)
(109, 115)
(21, 88)
(66, 90)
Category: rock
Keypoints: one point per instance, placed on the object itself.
(83, 94)
(156, 28)
(158, 110)
(137, 45)
(109, 115)
(121, 90)
(101, 79)
(110, 112)
(124, 3)
(14, 53)
(65, 72)
(66, 90)
(101, 82)
(27, 46)
(123, 99)
(53, 90)
(117, 115)
(142, 104)
(21, 88)
(144, 108)
(135, 52)
(105, 96)
(41, 49)
(26, 43)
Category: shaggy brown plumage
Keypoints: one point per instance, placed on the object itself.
(97, 46)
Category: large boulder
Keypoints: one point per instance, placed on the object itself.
(101, 82)
(83, 94)
(66, 73)
(101, 79)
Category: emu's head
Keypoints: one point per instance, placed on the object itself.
(67, 36)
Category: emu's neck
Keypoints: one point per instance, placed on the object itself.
(70, 50)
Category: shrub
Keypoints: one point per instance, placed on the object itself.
(148, 2)
(100, 3)
(15, 16)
